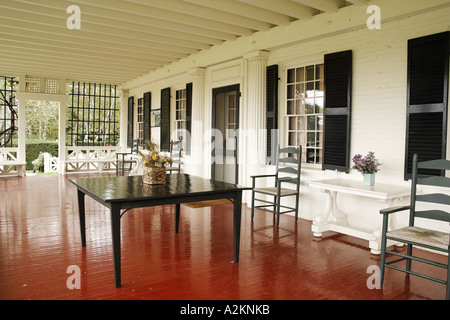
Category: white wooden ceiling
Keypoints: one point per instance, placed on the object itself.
(120, 40)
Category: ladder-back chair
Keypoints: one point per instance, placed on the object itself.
(293, 159)
(175, 154)
(418, 236)
(124, 163)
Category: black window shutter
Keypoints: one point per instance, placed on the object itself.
(146, 117)
(271, 113)
(188, 118)
(427, 99)
(165, 119)
(130, 121)
(337, 110)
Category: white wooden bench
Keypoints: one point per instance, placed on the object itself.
(8, 168)
(89, 159)
(80, 165)
(9, 164)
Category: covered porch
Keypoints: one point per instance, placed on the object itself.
(247, 75)
(40, 241)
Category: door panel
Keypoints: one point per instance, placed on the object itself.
(225, 140)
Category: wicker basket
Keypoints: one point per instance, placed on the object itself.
(154, 175)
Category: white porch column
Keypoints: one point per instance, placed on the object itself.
(62, 133)
(255, 109)
(196, 165)
(22, 122)
(124, 119)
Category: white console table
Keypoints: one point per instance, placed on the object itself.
(381, 192)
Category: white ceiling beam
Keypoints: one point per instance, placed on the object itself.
(60, 21)
(44, 31)
(122, 20)
(171, 16)
(46, 66)
(286, 7)
(359, 2)
(16, 55)
(328, 6)
(245, 10)
(34, 42)
(101, 45)
(202, 12)
(51, 50)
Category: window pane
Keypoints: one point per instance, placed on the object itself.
(310, 73)
(301, 123)
(312, 123)
(300, 106)
(311, 139)
(292, 138)
(319, 105)
(309, 105)
(319, 72)
(290, 107)
(300, 75)
(291, 91)
(320, 123)
(300, 91)
(319, 88)
(291, 76)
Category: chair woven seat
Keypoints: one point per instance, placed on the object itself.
(273, 191)
(420, 235)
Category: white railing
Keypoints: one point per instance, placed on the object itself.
(88, 159)
(8, 154)
(51, 164)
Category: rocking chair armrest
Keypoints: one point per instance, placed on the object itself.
(262, 176)
(394, 209)
(286, 179)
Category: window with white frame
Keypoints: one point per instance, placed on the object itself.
(304, 110)
(180, 116)
(140, 121)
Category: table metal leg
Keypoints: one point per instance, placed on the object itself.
(177, 217)
(237, 225)
(81, 214)
(115, 229)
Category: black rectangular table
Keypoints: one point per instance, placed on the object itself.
(126, 192)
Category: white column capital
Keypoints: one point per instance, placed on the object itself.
(258, 55)
(197, 71)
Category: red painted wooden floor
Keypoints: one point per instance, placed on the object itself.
(40, 239)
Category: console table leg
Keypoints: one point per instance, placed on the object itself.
(322, 219)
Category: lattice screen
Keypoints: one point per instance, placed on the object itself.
(41, 85)
(93, 118)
